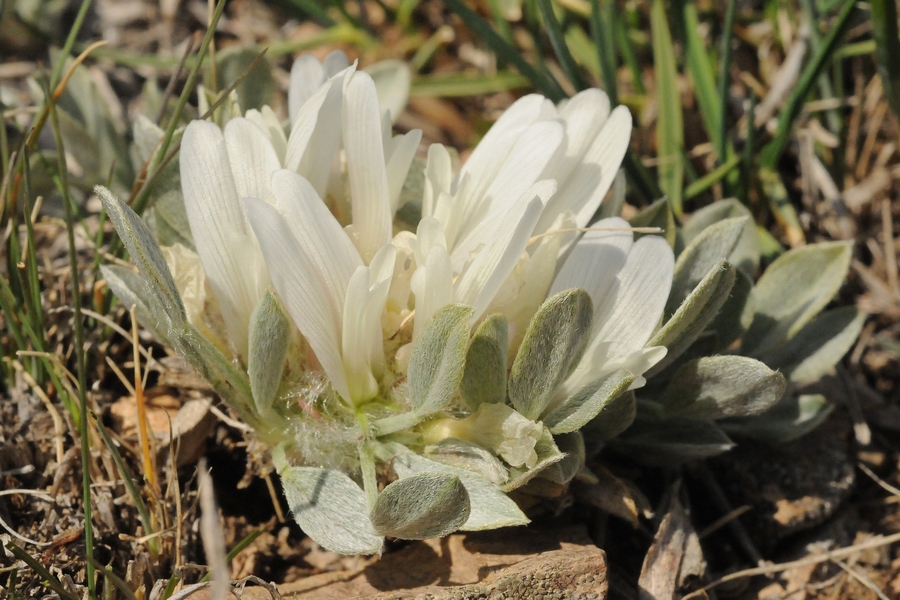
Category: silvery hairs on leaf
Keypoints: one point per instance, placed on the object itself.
(712, 246)
(146, 255)
(716, 387)
(578, 410)
(421, 506)
(793, 290)
(746, 253)
(484, 376)
(554, 343)
(438, 358)
(694, 315)
(818, 347)
(270, 336)
(331, 509)
(490, 508)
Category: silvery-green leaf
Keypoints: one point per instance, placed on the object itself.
(331, 509)
(671, 442)
(712, 246)
(147, 135)
(793, 290)
(736, 313)
(612, 206)
(746, 254)
(258, 87)
(554, 343)
(76, 135)
(438, 358)
(562, 472)
(392, 82)
(819, 345)
(588, 402)
(270, 336)
(615, 417)
(484, 377)
(421, 506)
(131, 290)
(548, 453)
(792, 417)
(716, 387)
(694, 315)
(467, 455)
(169, 210)
(145, 253)
(659, 214)
(229, 381)
(490, 507)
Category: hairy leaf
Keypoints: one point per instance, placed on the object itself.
(421, 506)
(484, 377)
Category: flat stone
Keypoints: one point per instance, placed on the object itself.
(520, 563)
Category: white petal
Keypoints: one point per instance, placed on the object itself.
(307, 75)
(438, 177)
(595, 260)
(585, 187)
(297, 279)
(253, 158)
(216, 221)
(316, 136)
(335, 62)
(432, 284)
(429, 234)
(317, 232)
(362, 338)
(644, 284)
(491, 151)
(366, 173)
(392, 81)
(584, 115)
(400, 153)
(522, 167)
(480, 282)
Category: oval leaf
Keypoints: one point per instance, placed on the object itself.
(331, 509)
(554, 343)
(819, 346)
(438, 358)
(490, 508)
(723, 386)
(746, 254)
(484, 376)
(582, 407)
(424, 505)
(793, 290)
(694, 315)
(270, 336)
(788, 420)
(712, 246)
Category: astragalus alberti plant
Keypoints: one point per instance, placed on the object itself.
(415, 340)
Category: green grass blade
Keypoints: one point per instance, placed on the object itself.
(128, 479)
(311, 9)
(707, 181)
(748, 152)
(669, 125)
(238, 548)
(558, 41)
(725, 75)
(603, 31)
(80, 358)
(69, 43)
(49, 579)
(700, 68)
(456, 85)
(623, 41)
(547, 85)
(143, 197)
(887, 49)
(772, 151)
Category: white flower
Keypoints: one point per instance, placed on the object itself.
(334, 113)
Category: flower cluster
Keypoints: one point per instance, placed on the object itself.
(466, 340)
